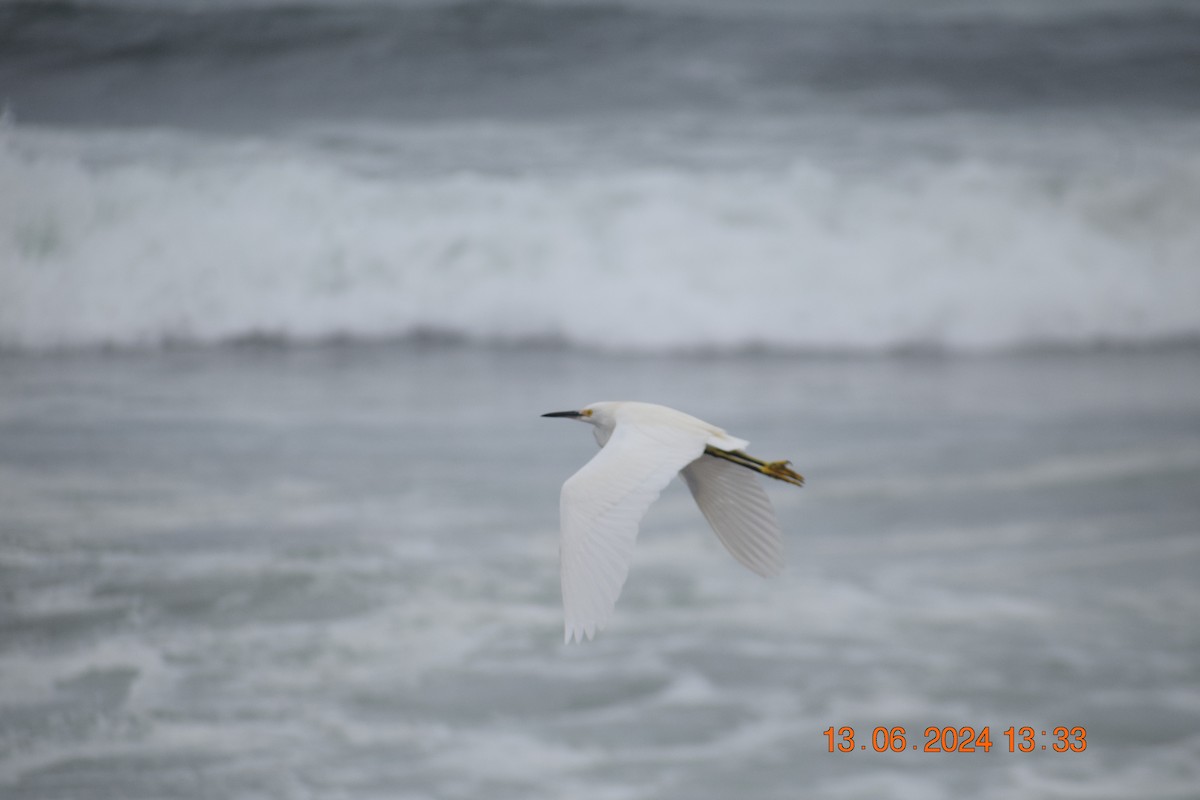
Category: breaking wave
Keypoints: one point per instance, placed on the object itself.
(234, 242)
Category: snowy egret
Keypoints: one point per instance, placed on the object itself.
(643, 446)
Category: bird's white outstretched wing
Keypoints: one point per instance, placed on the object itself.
(601, 507)
(737, 508)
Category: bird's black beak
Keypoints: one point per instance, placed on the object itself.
(567, 414)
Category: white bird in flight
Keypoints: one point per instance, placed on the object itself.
(642, 447)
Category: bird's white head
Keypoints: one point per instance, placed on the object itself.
(602, 415)
(596, 413)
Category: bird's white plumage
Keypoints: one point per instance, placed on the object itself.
(739, 511)
(643, 446)
(601, 506)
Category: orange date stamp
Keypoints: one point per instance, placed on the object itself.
(951, 739)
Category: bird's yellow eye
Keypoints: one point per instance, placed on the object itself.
(587, 412)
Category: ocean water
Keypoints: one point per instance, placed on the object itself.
(643, 177)
(332, 572)
(284, 287)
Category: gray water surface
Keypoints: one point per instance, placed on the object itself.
(332, 573)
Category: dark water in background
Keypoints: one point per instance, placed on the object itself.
(332, 573)
(232, 66)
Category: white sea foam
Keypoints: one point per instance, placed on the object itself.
(224, 242)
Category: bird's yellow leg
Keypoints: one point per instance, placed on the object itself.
(779, 470)
(782, 471)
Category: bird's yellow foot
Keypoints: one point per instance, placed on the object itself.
(782, 470)
(779, 470)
